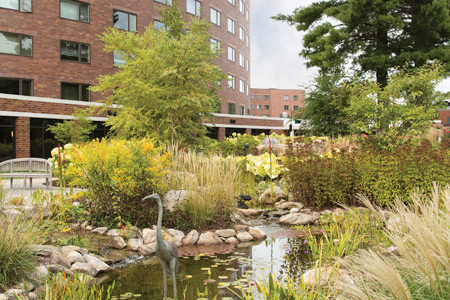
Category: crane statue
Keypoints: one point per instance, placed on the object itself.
(166, 251)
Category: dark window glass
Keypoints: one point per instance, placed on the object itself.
(75, 51)
(84, 12)
(286, 107)
(295, 97)
(85, 93)
(266, 107)
(7, 140)
(213, 132)
(16, 86)
(42, 141)
(266, 97)
(229, 131)
(252, 97)
(75, 91)
(231, 108)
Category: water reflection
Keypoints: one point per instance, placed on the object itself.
(220, 274)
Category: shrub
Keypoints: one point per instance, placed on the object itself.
(118, 174)
(235, 144)
(17, 260)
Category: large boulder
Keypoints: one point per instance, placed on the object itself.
(100, 230)
(257, 233)
(174, 236)
(44, 250)
(250, 212)
(58, 259)
(225, 233)
(147, 249)
(96, 263)
(272, 195)
(296, 219)
(118, 242)
(72, 256)
(174, 197)
(289, 205)
(134, 243)
(209, 238)
(149, 235)
(84, 268)
(191, 238)
(244, 236)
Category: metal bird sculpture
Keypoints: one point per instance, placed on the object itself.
(166, 251)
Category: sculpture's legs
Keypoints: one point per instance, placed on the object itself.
(164, 280)
(174, 281)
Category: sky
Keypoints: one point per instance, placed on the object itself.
(275, 48)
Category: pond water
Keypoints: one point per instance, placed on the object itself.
(220, 273)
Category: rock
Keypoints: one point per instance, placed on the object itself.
(315, 215)
(231, 240)
(277, 213)
(326, 212)
(175, 236)
(44, 250)
(53, 269)
(191, 238)
(209, 238)
(134, 243)
(338, 214)
(58, 259)
(84, 224)
(75, 248)
(244, 236)
(33, 296)
(250, 212)
(272, 195)
(12, 214)
(100, 230)
(112, 256)
(118, 243)
(289, 205)
(295, 210)
(305, 210)
(72, 256)
(12, 293)
(97, 263)
(241, 227)
(39, 274)
(84, 268)
(173, 198)
(296, 219)
(76, 226)
(76, 203)
(257, 233)
(88, 228)
(322, 276)
(148, 235)
(113, 232)
(3, 297)
(225, 233)
(147, 249)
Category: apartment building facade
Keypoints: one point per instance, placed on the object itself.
(276, 103)
(50, 55)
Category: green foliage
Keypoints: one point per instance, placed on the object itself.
(117, 175)
(403, 108)
(374, 36)
(61, 159)
(235, 144)
(73, 240)
(73, 131)
(325, 180)
(168, 85)
(17, 257)
(263, 166)
(324, 106)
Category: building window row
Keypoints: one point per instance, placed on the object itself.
(21, 5)
(231, 26)
(75, 91)
(124, 20)
(193, 7)
(74, 10)
(231, 54)
(16, 44)
(215, 16)
(74, 51)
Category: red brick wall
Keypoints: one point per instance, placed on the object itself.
(22, 137)
(276, 101)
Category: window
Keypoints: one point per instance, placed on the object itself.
(241, 59)
(252, 106)
(7, 134)
(248, 89)
(231, 82)
(286, 107)
(248, 40)
(231, 26)
(168, 2)
(193, 7)
(241, 34)
(247, 15)
(159, 25)
(241, 86)
(266, 97)
(22, 5)
(295, 107)
(252, 97)
(258, 97)
(75, 51)
(266, 107)
(232, 2)
(16, 86)
(265, 115)
(231, 108)
(258, 106)
(17, 44)
(125, 21)
(215, 16)
(248, 65)
(74, 10)
(295, 97)
(241, 6)
(286, 97)
(75, 91)
(118, 59)
(242, 110)
(215, 46)
(231, 54)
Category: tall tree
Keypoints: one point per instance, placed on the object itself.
(325, 102)
(169, 83)
(374, 35)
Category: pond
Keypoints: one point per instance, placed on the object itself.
(220, 274)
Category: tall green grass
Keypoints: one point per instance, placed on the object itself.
(421, 270)
(17, 261)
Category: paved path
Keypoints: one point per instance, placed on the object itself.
(18, 189)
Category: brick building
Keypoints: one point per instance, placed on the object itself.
(275, 103)
(50, 54)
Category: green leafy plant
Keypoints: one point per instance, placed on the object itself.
(264, 166)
